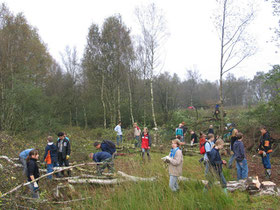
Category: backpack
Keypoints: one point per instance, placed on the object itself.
(111, 145)
(202, 148)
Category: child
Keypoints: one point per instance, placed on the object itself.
(22, 157)
(180, 132)
(33, 172)
(146, 143)
(264, 150)
(241, 162)
(208, 147)
(202, 141)
(216, 165)
(64, 150)
(175, 160)
(50, 156)
(106, 159)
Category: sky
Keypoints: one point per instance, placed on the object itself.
(192, 43)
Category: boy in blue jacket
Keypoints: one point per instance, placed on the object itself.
(22, 157)
(106, 159)
(241, 162)
(50, 156)
(217, 165)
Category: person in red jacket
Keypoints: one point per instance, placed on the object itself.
(146, 143)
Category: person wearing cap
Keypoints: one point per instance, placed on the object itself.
(64, 151)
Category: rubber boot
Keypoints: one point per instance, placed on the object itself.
(268, 173)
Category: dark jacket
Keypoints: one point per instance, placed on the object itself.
(194, 136)
(108, 146)
(32, 169)
(239, 151)
(66, 149)
(53, 152)
(265, 143)
(100, 156)
(210, 130)
(215, 159)
(232, 140)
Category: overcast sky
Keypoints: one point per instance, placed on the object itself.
(192, 44)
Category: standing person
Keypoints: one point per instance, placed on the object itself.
(264, 150)
(106, 159)
(193, 137)
(22, 157)
(233, 131)
(50, 156)
(64, 150)
(211, 129)
(118, 129)
(137, 133)
(146, 143)
(33, 172)
(180, 132)
(216, 169)
(209, 144)
(175, 160)
(241, 162)
(184, 129)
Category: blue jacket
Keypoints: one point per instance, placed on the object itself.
(239, 151)
(108, 146)
(100, 156)
(53, 152)
(215, 159)
(25, 153)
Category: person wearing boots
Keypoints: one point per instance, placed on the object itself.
(146, 143)
(264, 150)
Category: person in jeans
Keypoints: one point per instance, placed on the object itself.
(137, 133)
(175, 160)
(118, 130)
(33, 172)
(50, 156)
(146, 143)
(209, 144)
(22, 157)
(106, 159)
(241, 162)
(64, 150)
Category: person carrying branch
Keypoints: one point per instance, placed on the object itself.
(33, 172)
(264, 150)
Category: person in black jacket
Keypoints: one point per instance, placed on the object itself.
(33, 172)
(264, 150)
(216, 169)
(64, 150)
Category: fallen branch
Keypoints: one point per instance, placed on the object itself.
(70, 201)
(10, 161)
(97, 181)
(134, 178)
(55, 171)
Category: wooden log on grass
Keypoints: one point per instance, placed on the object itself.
(135, 178)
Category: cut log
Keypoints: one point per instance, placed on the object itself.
(10, 161)
(97, 181)
(268, 188)
(134, 178)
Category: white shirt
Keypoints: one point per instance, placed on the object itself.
(208, 148)
(118, 129)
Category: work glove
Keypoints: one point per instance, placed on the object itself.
(67, 157)
(264, 154)
(166, 158)
(35, 187)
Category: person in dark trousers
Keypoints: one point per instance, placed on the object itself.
(241, 162)
(193, 137)
(106, 146)
(33, 172)
(106, 159)
(264, 150)
(146, 143)
(50, 156)
(184, 129)
(180, 132)
(233, 131)
(22, 157)
(216, 169)
(64, 151)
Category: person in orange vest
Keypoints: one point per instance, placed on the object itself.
(264, 150)
(50, 156)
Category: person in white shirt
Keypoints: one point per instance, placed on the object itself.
(118, 129)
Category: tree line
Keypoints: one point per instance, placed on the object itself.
(117, 78)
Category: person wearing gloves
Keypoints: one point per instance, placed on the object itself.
(33, 172)
(146, 143)
(175, 160)
(64, 150)
(264, 150)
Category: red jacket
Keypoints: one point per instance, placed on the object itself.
(146, 141)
